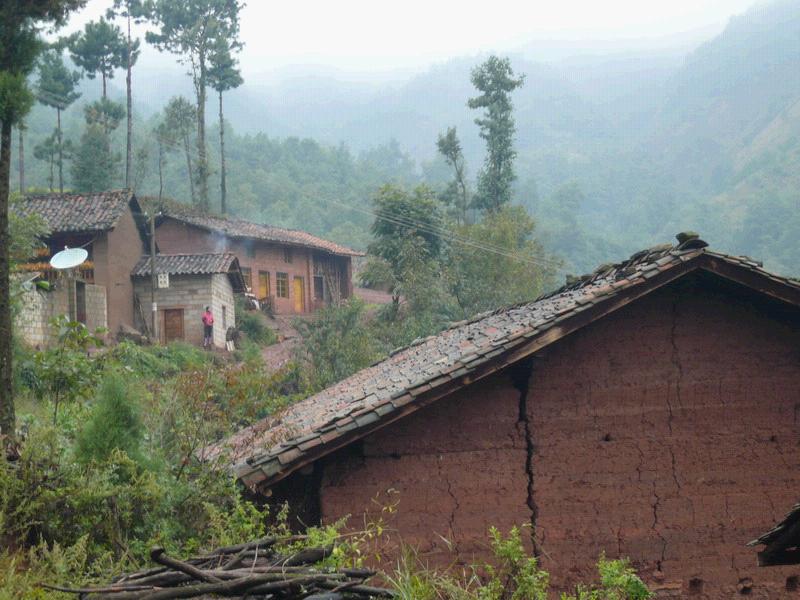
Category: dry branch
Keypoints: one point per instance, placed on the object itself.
(254, 570)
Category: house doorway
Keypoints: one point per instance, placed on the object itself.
(173, 324)
(80, 302)
(299, 295)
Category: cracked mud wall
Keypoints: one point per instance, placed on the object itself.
(456, 468)
(667, 433)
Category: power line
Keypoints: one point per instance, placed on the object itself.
(449, 236)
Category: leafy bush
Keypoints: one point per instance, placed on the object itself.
(254, 326)
(337, 343)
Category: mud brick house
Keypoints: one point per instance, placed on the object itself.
(648, 410)
(187, 284)
(109, 225)
(295, 271)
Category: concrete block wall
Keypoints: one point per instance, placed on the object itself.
(222, 307)
(191, 293)
(38, 308)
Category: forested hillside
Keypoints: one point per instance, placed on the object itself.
(614, 153)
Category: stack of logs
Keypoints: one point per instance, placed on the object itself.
(253, 570)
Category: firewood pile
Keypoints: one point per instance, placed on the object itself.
(255, 571)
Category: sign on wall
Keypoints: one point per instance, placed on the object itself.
(163, 280)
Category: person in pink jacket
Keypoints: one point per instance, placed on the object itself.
(208, 327)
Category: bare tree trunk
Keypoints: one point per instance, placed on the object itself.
(202, 159)
(222, 190)
(189, 168)
(7, 413)
(21, 158)
(103, 75)
(129, 142)
(60, 155)
(52, 173)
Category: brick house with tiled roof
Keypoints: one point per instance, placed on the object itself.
(192, 282)
(647, 410)
(295, 271)
(110, 226)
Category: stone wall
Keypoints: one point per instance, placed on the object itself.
(38, 308)
(191, 293)
(666, 432)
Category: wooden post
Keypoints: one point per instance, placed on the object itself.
(153, 280)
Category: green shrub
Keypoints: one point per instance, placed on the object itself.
(254, 326)
(114, 422)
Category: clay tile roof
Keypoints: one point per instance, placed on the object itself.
(239, 228)
(274, 447)
(73, 213)
(187, 264)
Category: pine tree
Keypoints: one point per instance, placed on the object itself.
(133, 11)
(495, 80)
(191, 29)
(105, 113)
(99, 50)
(47, 151)
(56, 88)
(223, 75)
(94, 165)
(19, 46)
(178, 125)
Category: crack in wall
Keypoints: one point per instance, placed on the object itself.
(456, 507)
(655, 526)
(521, 376)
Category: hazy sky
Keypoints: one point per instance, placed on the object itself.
(370, 35)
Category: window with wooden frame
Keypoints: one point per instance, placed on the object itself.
(287, 255)
(248, 277)
(282, 285)
(263, 285)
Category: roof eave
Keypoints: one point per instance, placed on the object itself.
(408, 401)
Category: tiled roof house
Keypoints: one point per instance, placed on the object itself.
(295, 271)
(188, 283)
(110, 226)
(631, 412)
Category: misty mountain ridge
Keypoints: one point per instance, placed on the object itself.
(638, 143)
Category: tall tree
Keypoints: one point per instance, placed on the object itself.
(405, 238)
(457, 192)
(495, 80)
(46, 151)
(99, 50)
(133, 11)
(191, 29)
(56, 88)
(223, 75)
(19, 46)
(179, 121)
(95, 164)
(21, 157)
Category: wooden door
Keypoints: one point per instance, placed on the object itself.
(263, 285)
(173, 324)
(299, 295)
(80, 302)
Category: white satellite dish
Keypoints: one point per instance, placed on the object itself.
(68, 258)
